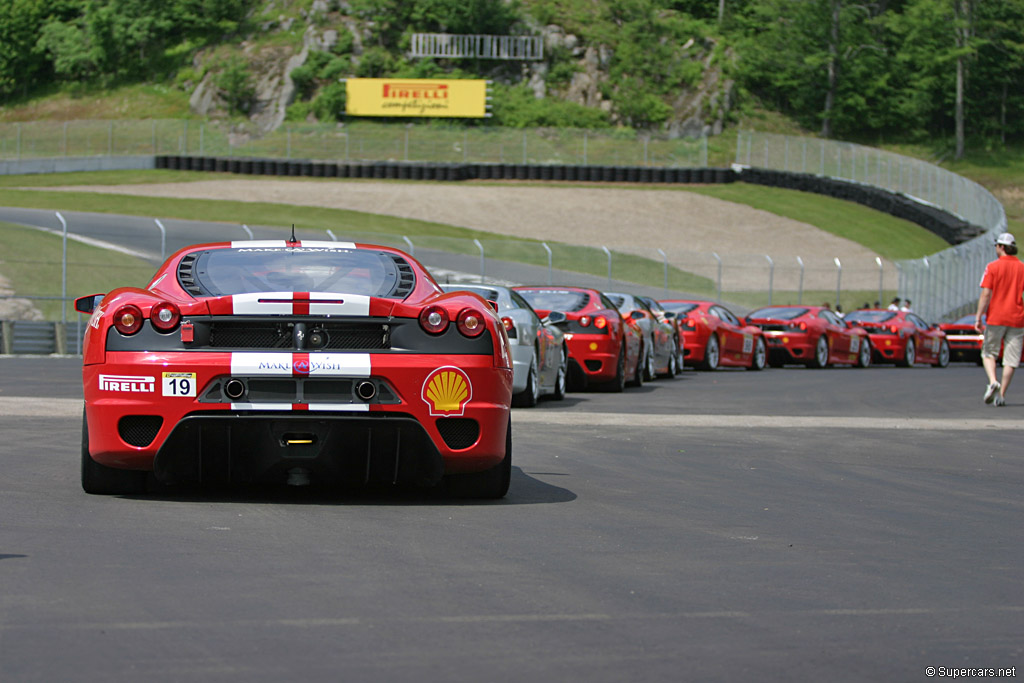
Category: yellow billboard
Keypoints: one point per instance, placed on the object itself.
(416, 97)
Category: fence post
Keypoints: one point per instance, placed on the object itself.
(771, 277)
(664, 261)
(719, 259)
(163, 238)
(800, 290)
(481, 248)
(839, 277)
(609, 254)
(548, 249)
(249, 232)
(63, 269)
(412, 247)
(878, 260)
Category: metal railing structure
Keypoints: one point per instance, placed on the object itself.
(358, 141)
(454, 46)
(939, 285)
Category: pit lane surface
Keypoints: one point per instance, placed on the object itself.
(785, 525)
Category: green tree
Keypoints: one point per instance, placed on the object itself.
(21, 61)
(235, 82)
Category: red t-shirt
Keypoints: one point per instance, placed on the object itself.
(1005, 277)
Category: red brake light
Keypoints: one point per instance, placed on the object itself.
(894, 329)
(600, 322)
(128, 319)
(165, 316)
(471, 322)
(803, 327)
(585, 321)
(434, 319)
(690, 323)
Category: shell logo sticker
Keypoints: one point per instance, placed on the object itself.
(447, 390)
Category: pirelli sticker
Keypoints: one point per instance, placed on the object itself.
(446, 391)
(128, 384)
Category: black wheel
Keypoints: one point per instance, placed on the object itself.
(619, 383)
(864, 353)
(492, 483)
(910, 356)
(103, 480)
(673, 364)
(527, 398)
(649, 371)
(943, 360)
(641, 370)
(711, 354)
(820, 359)
(760, 357)
(560, 376)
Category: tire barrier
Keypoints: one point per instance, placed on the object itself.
(949, 227)
(409, 170)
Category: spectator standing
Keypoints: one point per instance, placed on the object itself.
(1002, 302)
(895, 304)
(905, 306)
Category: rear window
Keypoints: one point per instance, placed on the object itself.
(678, 309)
(870, 316)
(566, 301)
(243, 270)
(779, 312)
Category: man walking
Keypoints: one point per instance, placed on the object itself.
(1002, 296)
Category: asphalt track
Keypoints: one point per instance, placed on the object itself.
(793, 524)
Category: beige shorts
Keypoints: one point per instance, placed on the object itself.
(1011, 339)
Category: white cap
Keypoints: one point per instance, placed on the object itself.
(1006, 239)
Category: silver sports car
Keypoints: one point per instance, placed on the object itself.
(539, 356)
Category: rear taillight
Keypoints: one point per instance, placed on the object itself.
(692, 324)
(893, 329)
(510, 327)
(471, 322)
(434, 319)
(585, 321)
(165, 316)
(600, 322)
(128, 319)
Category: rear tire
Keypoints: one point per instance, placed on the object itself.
(820, 359)
(560, 377)
(864, 354)
(489, 484)
(640, 374)
(712, 353)
(760, 356)
(910, 355)
(618, 384)
(944, 354)
(102, 480)
(527, 398)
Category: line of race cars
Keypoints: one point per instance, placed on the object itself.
(339, 364)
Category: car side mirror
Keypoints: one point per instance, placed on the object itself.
(88, 304)
(556, 317)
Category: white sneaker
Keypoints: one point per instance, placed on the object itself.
(991, 391)
(999, 401)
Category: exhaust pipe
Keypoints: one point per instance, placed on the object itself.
(366, 390)
(234, 389)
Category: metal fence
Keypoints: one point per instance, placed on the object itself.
(449, 45)
(358, 141)
(940, 285)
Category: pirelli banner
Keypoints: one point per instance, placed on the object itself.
(416, 97)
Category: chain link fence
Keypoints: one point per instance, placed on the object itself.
(941, 285)
(360, 141)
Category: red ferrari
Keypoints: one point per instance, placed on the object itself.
(811, 335)
(964, 341)
(604, 345)
(713, 337)
(902, 337)
(326, 363)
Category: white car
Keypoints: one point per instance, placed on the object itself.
(539, 354)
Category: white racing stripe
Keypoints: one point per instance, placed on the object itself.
(11, 406)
